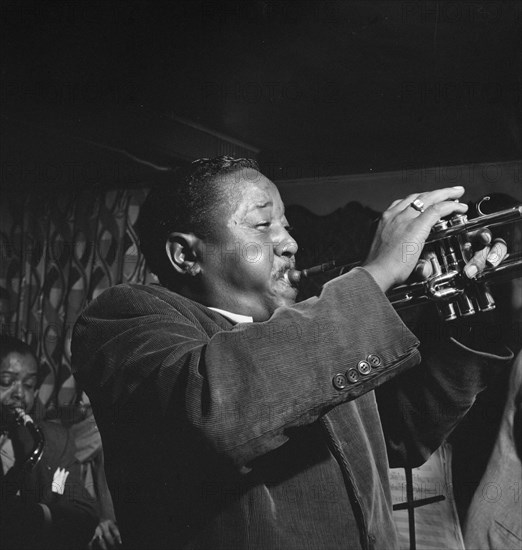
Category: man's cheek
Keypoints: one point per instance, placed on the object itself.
(254, 253)
(29, 400)
(229, 255)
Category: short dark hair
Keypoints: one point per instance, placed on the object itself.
(185, 202)
(9, 344)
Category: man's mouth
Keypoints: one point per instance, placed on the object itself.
(282, 275)
(13, 407)
(287, 279)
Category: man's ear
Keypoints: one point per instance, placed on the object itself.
(181, 250)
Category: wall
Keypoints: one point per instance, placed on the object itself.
(322, 195)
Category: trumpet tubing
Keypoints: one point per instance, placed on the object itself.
(447, 250)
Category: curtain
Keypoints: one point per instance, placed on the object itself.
(59, 250)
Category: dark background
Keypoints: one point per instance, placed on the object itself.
(90, 93)
(334, 87)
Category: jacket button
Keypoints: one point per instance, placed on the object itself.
(339, 381)
(352, 375)
(374, 360)
(364, 367)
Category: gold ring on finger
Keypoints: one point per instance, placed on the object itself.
(418, 205)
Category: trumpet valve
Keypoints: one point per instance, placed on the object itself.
(465, 305)
(484, 299)
(458, 219)
(440, 226)
(447, 311)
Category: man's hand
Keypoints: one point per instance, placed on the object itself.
(402, 232)
(479, 252)
(106, 536)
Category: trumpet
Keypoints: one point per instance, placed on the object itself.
(447, 249)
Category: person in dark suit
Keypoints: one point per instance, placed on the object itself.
(44, 504)
(234, 418)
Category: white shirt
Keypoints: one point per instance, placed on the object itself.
(6, 453)
(234, 317)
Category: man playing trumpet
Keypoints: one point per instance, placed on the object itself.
(231, 416)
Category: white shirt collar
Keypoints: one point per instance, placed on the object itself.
(234, 317)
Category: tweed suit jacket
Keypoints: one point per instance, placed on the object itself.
(253, 436)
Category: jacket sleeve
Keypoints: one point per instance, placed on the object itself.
(419, 411)
(241, 390)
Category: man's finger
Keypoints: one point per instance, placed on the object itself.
(115, 532)
(107, 537)
(111, 535)
(432, 197)
(433, 214)
(477, 263)
(394, 203)
(423, 269)
(101, 542)
(481, 236)
(497, 253)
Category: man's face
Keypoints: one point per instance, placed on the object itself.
(18, 378)
(244, 262)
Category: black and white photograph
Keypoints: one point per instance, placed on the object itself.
(261, 275)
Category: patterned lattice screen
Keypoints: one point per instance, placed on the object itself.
(57, 253)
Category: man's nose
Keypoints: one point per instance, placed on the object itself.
(18, 390)
(287, 247)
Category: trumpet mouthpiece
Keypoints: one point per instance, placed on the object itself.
(293, 276)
